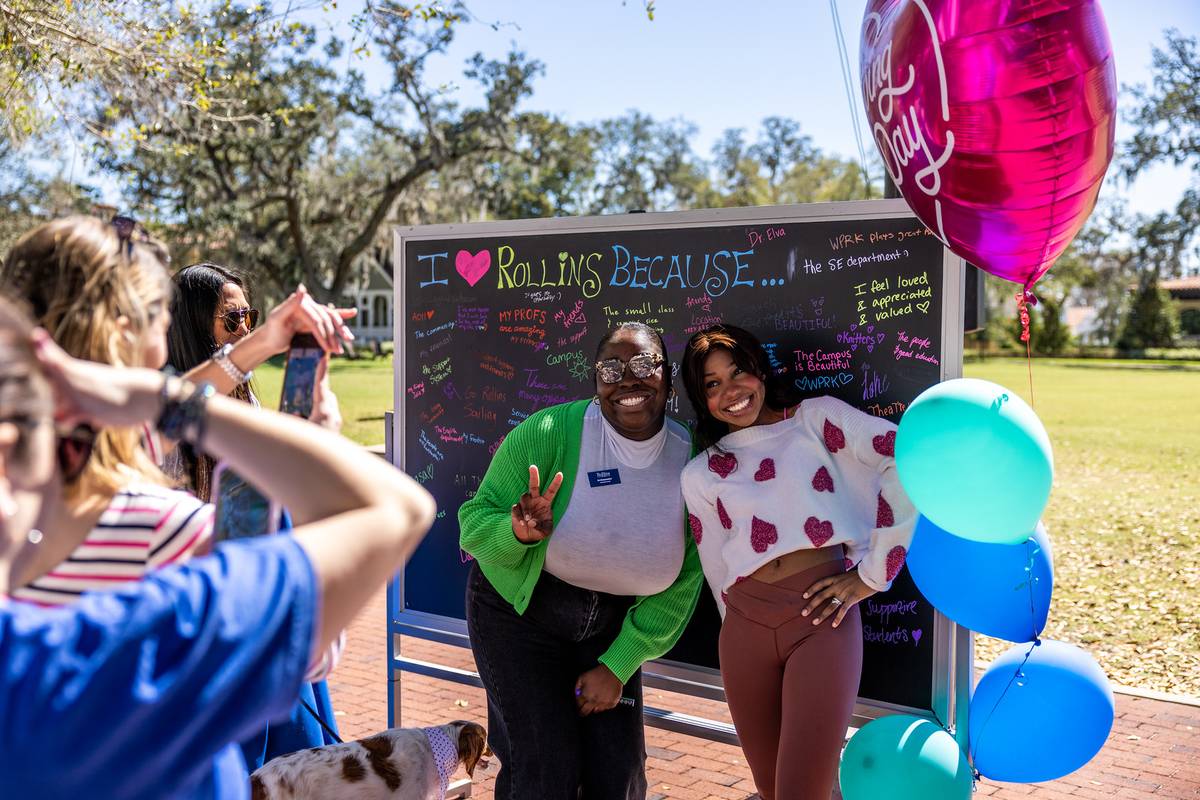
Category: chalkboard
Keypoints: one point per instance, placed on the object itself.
(494, 322)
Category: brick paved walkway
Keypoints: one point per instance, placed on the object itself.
(1153, 752)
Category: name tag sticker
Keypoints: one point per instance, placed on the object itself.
(604, 477)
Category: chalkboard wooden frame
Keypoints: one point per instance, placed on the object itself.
(952, 661)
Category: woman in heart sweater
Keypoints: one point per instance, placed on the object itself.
(798, 515)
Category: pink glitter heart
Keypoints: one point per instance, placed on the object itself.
(895, 561)
(884, 518)
(834, 438)
(472, 267)
(823, 481)
(722, 463)
(766, 470)
(726, 522)
(697, 528)
(818, 531)
(885, 445)
(762, 535)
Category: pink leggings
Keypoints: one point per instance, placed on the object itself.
(790, 685)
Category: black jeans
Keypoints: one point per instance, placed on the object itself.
(529, 664)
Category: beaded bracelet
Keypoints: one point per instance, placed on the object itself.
(184, 419)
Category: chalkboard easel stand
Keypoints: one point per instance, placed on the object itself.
(446, 319)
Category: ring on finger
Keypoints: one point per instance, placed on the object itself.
(835, 601)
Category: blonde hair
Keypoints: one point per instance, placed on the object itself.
(79, 279)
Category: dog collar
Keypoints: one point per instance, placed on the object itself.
(445, 755)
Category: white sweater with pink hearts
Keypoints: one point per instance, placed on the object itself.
(823, 477)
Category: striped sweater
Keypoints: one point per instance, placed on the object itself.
(144, 527)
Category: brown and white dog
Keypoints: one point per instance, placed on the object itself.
(398, 764)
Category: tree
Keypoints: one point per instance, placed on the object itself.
(639, 163)
(304, 196)
(60, 59)
(1167, 116)
(1151, 322)
(28, 197)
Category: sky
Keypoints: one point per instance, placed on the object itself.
(733, 63)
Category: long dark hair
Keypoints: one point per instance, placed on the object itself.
(190, 342)
(748, 354)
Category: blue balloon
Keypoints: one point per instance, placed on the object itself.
(1043, 720)
(975, 459)
(1000, 590)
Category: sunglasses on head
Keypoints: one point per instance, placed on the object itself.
(74, 450)
(233, 319)
(643, 365)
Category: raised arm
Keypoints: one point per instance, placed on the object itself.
(358, 518)
(297, 314)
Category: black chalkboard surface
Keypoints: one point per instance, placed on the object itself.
(494, 326)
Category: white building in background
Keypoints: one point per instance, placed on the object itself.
(372, 293)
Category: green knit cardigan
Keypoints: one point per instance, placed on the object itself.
(551, 439)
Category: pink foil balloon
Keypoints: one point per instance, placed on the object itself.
(995, 119)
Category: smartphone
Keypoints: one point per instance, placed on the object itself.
(300, 375)
(242, 510)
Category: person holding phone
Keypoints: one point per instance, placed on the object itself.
(148, 686)
(214, 334)
(582, 572)
(215, 337)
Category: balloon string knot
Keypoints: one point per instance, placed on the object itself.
(1025, 299)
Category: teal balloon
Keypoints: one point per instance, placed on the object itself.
(902, 757)
(975, 460)
(1040, 718)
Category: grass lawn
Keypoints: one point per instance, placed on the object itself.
(1124, 517)
(364, 390)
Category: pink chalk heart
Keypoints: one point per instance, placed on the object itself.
(472, 267)
(818, 531)
(762, 535)
(726, 522)
(722, 463)
(895, 561)
(885, 445)
(834, 438)
(822, 481)
(766, 470)
(697, 528)
(884, 518)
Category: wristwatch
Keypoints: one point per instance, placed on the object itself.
(222, 359)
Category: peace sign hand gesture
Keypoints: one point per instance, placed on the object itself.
(532, 517)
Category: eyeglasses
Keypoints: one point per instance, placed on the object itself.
(74, 451)
(233, 319)
(643, 365)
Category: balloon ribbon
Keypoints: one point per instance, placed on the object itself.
(1025, 299)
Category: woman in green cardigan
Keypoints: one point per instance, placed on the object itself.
(578, 582)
